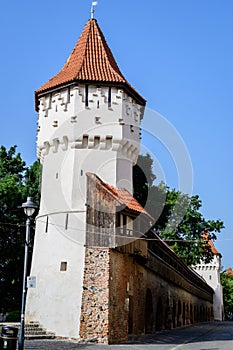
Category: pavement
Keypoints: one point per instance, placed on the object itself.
(201, 336)
(166, 340)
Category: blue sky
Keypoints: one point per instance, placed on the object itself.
(177, 53)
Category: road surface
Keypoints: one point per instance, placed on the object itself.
(204, 336)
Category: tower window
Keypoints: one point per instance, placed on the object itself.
(86, 95)
(63, 266)
(46, 224)
(85, 141)
(66, 221)
(68, 95)
(108, 142)
(96, 141)
(50, 101)
(109, 97)
(124, 224)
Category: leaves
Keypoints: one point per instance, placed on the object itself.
(16, 182)
(179, 220)
(227, 284)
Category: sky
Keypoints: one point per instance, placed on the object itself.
(178, 54)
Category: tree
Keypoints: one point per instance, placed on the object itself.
(16, 182)
(227, 284)
(179, 220)
(143, 178)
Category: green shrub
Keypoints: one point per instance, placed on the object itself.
(13, 316)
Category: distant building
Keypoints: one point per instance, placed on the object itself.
(211, 273)
(229, 271)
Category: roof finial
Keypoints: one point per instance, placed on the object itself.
(94, 3)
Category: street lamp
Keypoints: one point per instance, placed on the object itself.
(29, 209)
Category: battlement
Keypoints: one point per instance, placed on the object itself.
(89, 117)
(79, 97)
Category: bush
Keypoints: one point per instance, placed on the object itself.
(13, 316)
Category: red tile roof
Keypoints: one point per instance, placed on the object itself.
(229, 271)
(91, 61)
(210, 243)
(121, 195)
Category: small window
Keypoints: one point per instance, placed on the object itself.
(109, 97)
(108, 142)
(86, 95)
(68, 95)
(50, 101)
(66, 221)
(96, 141)
(210, 277)
(46, 224)
(63, 266)
(85, 141)
(124, 224)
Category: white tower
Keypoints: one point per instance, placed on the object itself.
(211, 273)
(89, 121)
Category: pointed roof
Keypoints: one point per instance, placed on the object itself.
(229, 271)
(214, 250)
(121, 195)
(90, 61)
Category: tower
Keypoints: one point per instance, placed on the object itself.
(89, 121)
(211, 273)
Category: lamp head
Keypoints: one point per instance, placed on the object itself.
(29, 207)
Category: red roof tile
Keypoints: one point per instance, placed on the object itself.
(91, 61)
(210, 243)
(229, 271)
(121, 195)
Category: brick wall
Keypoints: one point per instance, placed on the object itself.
(142, 301)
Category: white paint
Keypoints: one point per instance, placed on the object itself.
(73, 140)
(211, 273)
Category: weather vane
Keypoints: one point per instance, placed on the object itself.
(94, 3)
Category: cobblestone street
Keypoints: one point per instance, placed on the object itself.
(205, 336)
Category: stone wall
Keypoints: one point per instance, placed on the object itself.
(133, 285)
(122, 296)
(94, 322)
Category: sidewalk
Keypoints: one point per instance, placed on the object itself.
(165, 340)
(187, 337)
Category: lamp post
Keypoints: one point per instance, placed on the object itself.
(29, 209)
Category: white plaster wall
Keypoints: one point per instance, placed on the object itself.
(211, 273)
(73, 140)
(56, 300)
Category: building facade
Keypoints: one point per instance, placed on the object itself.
(101, 273)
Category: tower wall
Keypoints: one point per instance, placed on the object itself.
(211, 273)
(80, 129)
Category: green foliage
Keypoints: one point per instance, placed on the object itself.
(227, 284)
(13, 316)
(32, 181)
(179, 220)
(143, 178)
(16, 182)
